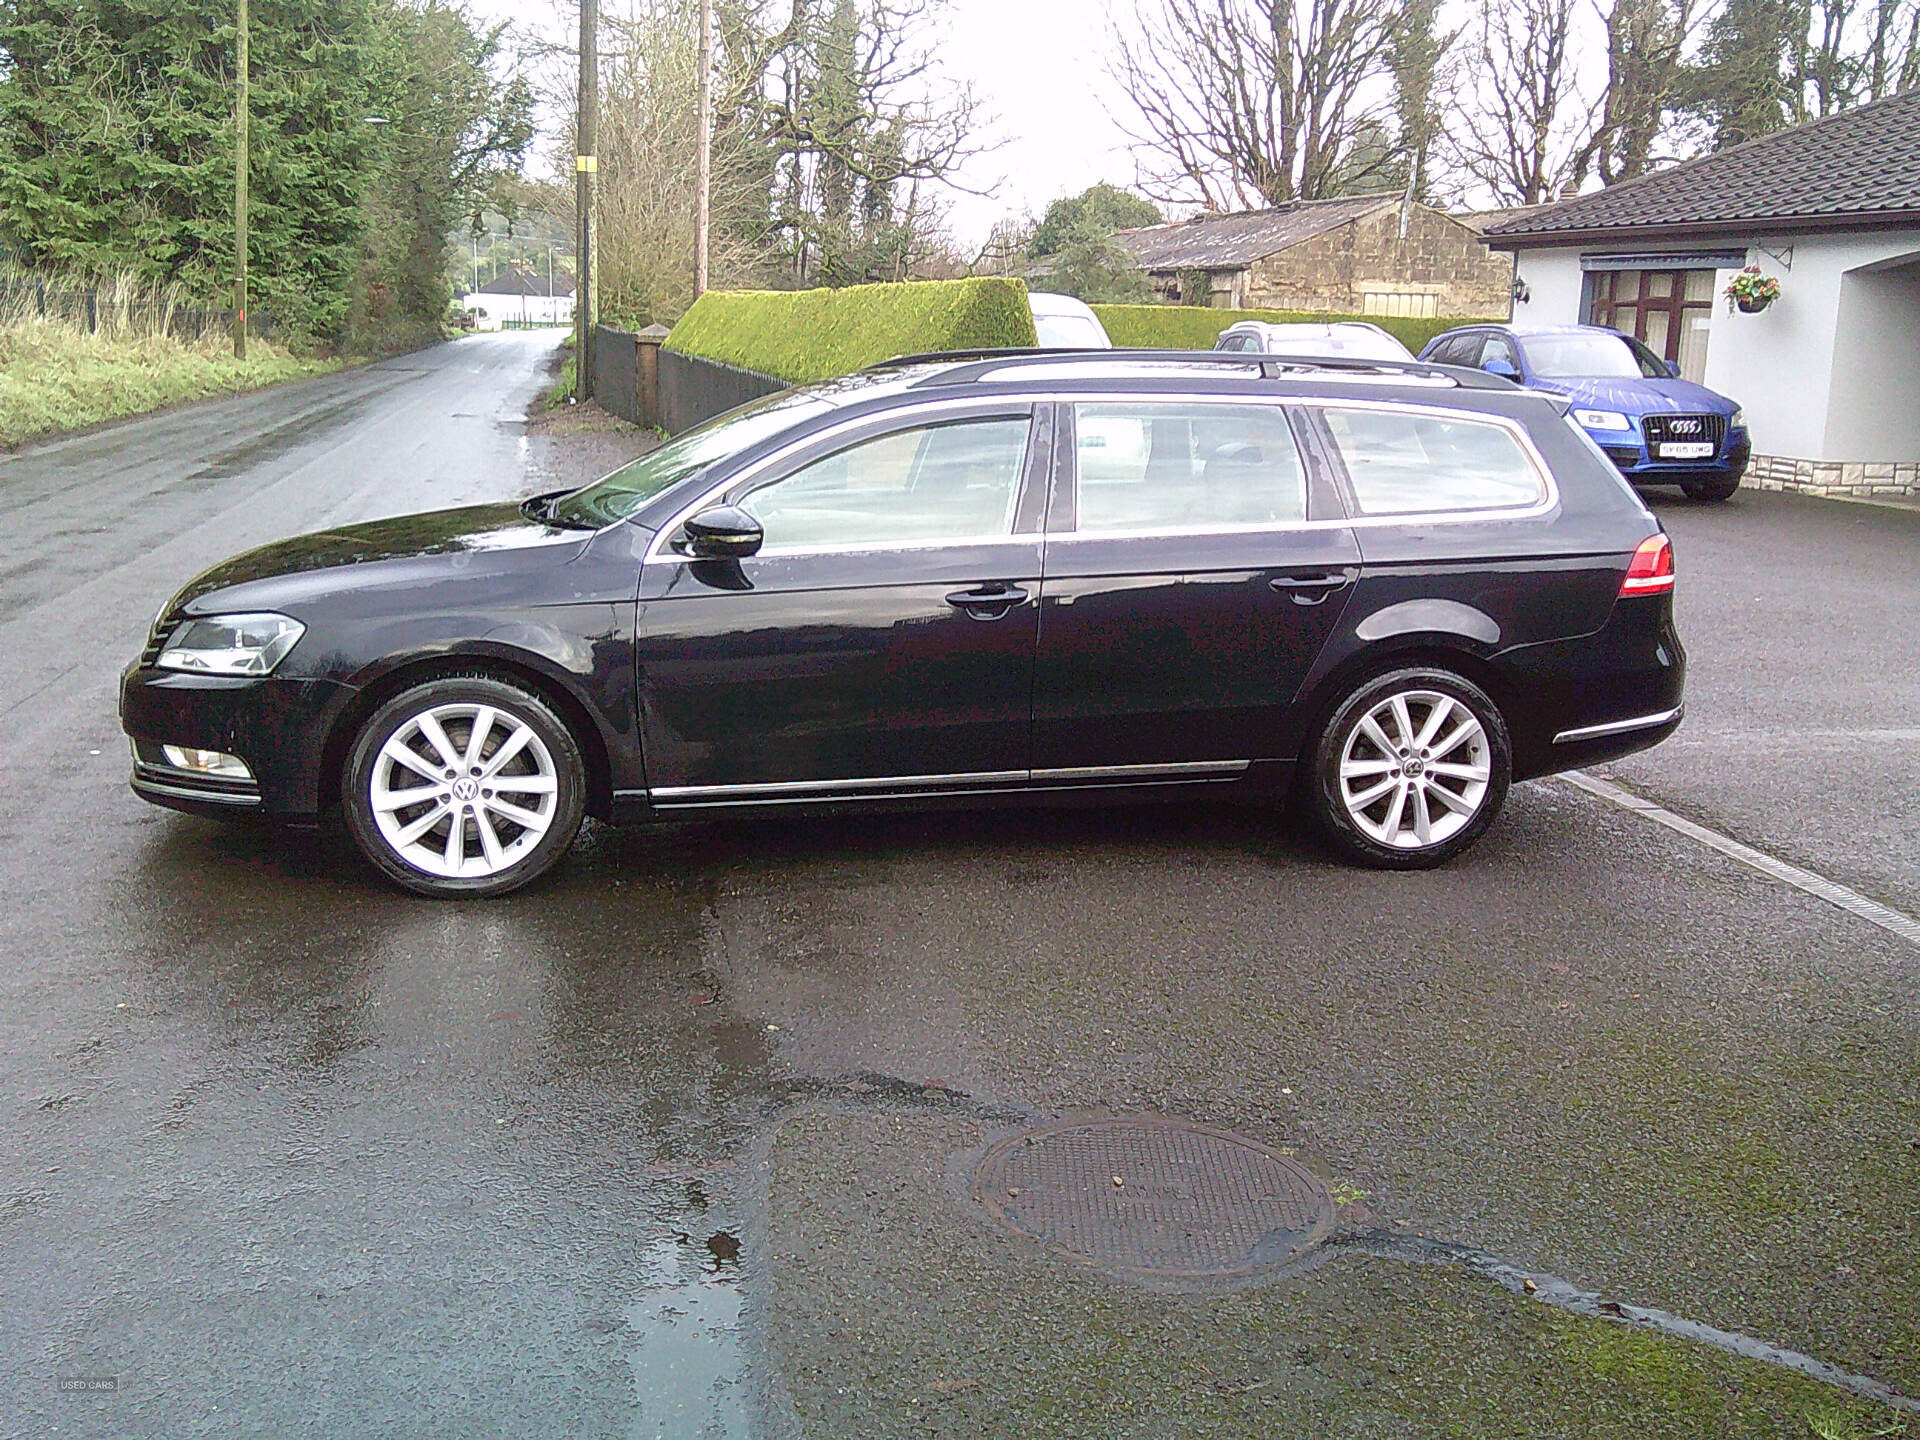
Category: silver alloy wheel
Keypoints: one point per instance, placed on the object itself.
(1415, 770)
(464, 791)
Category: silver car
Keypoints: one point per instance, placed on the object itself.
(1313, 340)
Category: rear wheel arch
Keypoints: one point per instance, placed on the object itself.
(1445, 652)
(367, 701)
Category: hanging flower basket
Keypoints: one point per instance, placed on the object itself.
(1752, 291)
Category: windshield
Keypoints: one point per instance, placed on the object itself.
(1581, 357)
(614, 497)
(1069, 332)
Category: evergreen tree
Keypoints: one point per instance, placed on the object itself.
(1099, 208)
(117, 147)
(117, 136)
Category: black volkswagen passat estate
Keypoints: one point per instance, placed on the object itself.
(1388, 588)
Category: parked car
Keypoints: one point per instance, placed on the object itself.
(1334, 340)
(1391, 591)
(1064, 323)
(1656, 427)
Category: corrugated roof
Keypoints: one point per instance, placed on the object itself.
(1227, 241)
(1859, 167)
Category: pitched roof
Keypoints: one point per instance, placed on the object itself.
(521, 282)
(1861, 167)
(1230, 241)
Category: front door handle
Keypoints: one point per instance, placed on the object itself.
(988, 602)
(1311, 589)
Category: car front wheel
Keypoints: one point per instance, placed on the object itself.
(1411, 769)
(465, 786)
(1710, 487)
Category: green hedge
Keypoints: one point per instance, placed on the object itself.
(803, 335)
(1195, 327)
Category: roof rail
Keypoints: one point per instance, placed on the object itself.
(975, 364)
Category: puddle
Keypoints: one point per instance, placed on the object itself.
(689, 1357)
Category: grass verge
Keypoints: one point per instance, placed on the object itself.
(56, 376)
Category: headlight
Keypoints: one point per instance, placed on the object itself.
(1603, 419)
(231, 644)
(1739, 420)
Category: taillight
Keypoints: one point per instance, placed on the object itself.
(1651, 571)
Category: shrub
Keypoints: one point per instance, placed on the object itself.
(1196, 327)
(803, 335)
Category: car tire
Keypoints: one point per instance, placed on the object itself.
(1710, 487)
(1390, 802)
(517, 796)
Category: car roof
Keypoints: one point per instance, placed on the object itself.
(1045, 302)
(1526, 328)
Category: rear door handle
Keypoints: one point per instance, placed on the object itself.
(1311, 589)
(988, 602)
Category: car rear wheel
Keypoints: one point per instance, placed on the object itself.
(465, 786)
(1411, 769)
(1710, 487)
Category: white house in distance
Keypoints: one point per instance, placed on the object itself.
(521, 298)
(1829, 374)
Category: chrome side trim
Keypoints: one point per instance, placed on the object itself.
(1145, 772)
(1619, 727)
(828, 789)
(802, 791)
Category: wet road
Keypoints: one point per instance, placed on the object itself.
(676, 1145)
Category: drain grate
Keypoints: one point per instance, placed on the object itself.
(1154, 1196)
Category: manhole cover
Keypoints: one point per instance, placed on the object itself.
(1155, 1197)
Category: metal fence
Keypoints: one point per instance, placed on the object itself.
(694, 390)
(118, 309)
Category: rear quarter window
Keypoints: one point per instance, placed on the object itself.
(1408, 463)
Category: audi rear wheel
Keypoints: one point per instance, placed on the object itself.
(1411, 769)
(466, 786)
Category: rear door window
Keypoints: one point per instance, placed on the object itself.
(1145, 466)
(1405, 462)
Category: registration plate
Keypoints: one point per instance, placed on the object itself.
(1686, 450)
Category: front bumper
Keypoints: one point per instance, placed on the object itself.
(278, 727)
(1630, 457)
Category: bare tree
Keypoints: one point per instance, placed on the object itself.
(1526, 132)
(859, 121)
(1647, 43)
(1248, 102)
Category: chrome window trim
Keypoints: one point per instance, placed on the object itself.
(960, 408)
(1619, 727)
(1549, 487)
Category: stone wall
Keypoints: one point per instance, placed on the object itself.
(1845, 479)
(1334, 272)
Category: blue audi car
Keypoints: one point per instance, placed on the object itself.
(1657, 428)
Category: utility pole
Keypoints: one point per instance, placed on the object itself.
(702, 204)
(240, 167)
(586, 164)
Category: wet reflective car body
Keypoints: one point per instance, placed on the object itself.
(1127, 574)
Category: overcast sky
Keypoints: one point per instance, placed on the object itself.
(1036, 66)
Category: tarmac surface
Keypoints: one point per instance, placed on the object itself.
(677, 1143)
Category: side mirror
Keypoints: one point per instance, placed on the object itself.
(1503, 368)
(1673, 369)
(724, 533)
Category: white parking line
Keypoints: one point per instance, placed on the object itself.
(1818, 886)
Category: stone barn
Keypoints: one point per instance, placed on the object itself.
(1361, 255)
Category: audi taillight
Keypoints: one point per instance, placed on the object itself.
(1651, 570)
